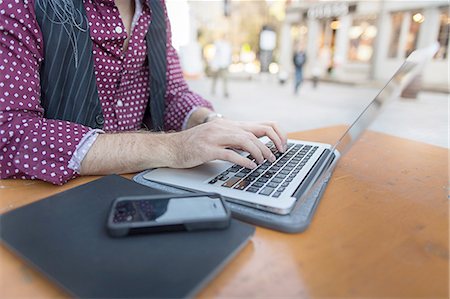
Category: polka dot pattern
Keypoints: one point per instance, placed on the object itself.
(32, 147)
(122, 76)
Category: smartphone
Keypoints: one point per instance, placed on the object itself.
(159, 213)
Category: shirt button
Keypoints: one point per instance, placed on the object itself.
(119, 103)
(99, 119)
(118, 30)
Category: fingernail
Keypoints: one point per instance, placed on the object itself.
(285, 147)
(253, 165)
(272, 158)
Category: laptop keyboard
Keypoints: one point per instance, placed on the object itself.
(269, 179)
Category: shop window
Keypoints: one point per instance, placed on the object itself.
(397, 20)
(362, 36)
(444, 31)
(299, 34)
(417, 19)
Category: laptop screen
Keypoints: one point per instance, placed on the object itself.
(411, 68)
(402, 77)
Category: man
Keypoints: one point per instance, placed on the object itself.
(299, 60)
(75, 94)
(220, 63)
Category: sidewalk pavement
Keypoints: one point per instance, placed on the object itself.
(423, 119)
(435, 88)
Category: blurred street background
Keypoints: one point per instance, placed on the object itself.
(241, 54)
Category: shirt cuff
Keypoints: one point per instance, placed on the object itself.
(82, 149)
(186, 119)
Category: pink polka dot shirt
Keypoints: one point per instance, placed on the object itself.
(33, 147)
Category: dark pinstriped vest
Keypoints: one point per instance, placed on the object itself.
(68, 84)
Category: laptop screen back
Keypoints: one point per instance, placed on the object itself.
(402, 77)
(411, 68)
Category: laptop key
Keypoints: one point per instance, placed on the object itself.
(266, 191)
(266, 164)
(242, 184)
(272, 185)
(250, 178)
(268, 174)
(231, 182)
(276, 194)
(262, 180)
(262, 168)
(235, 168)
(258, 171)
(252, 189)
(280, 176)
(276, 180)
(257, 184)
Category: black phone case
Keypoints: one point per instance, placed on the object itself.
(124, 229)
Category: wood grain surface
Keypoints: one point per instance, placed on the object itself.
(381, 230)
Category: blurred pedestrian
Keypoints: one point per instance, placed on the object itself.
(299, 60)
(316, 72)
(220, 63)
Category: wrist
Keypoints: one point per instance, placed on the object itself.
(160, 150)
(211, 117)
(198, 117)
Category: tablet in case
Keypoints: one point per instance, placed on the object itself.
(65, 237)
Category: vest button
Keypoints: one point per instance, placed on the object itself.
(99, 119)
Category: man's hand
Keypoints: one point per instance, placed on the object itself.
(219, 138)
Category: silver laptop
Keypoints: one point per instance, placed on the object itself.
(277, 186)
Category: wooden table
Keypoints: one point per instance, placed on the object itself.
(381, 230)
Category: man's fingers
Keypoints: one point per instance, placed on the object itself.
(265, 130)
(281, 135)
(244, 136)
(233, 157)
(269, 129)
(267, 153)
(248, 143)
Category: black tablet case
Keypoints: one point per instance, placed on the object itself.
(64, 237)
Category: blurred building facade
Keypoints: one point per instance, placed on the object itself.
(350, 41)
(366, 40)
(242, 22)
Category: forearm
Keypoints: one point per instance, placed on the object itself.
(128, 152)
